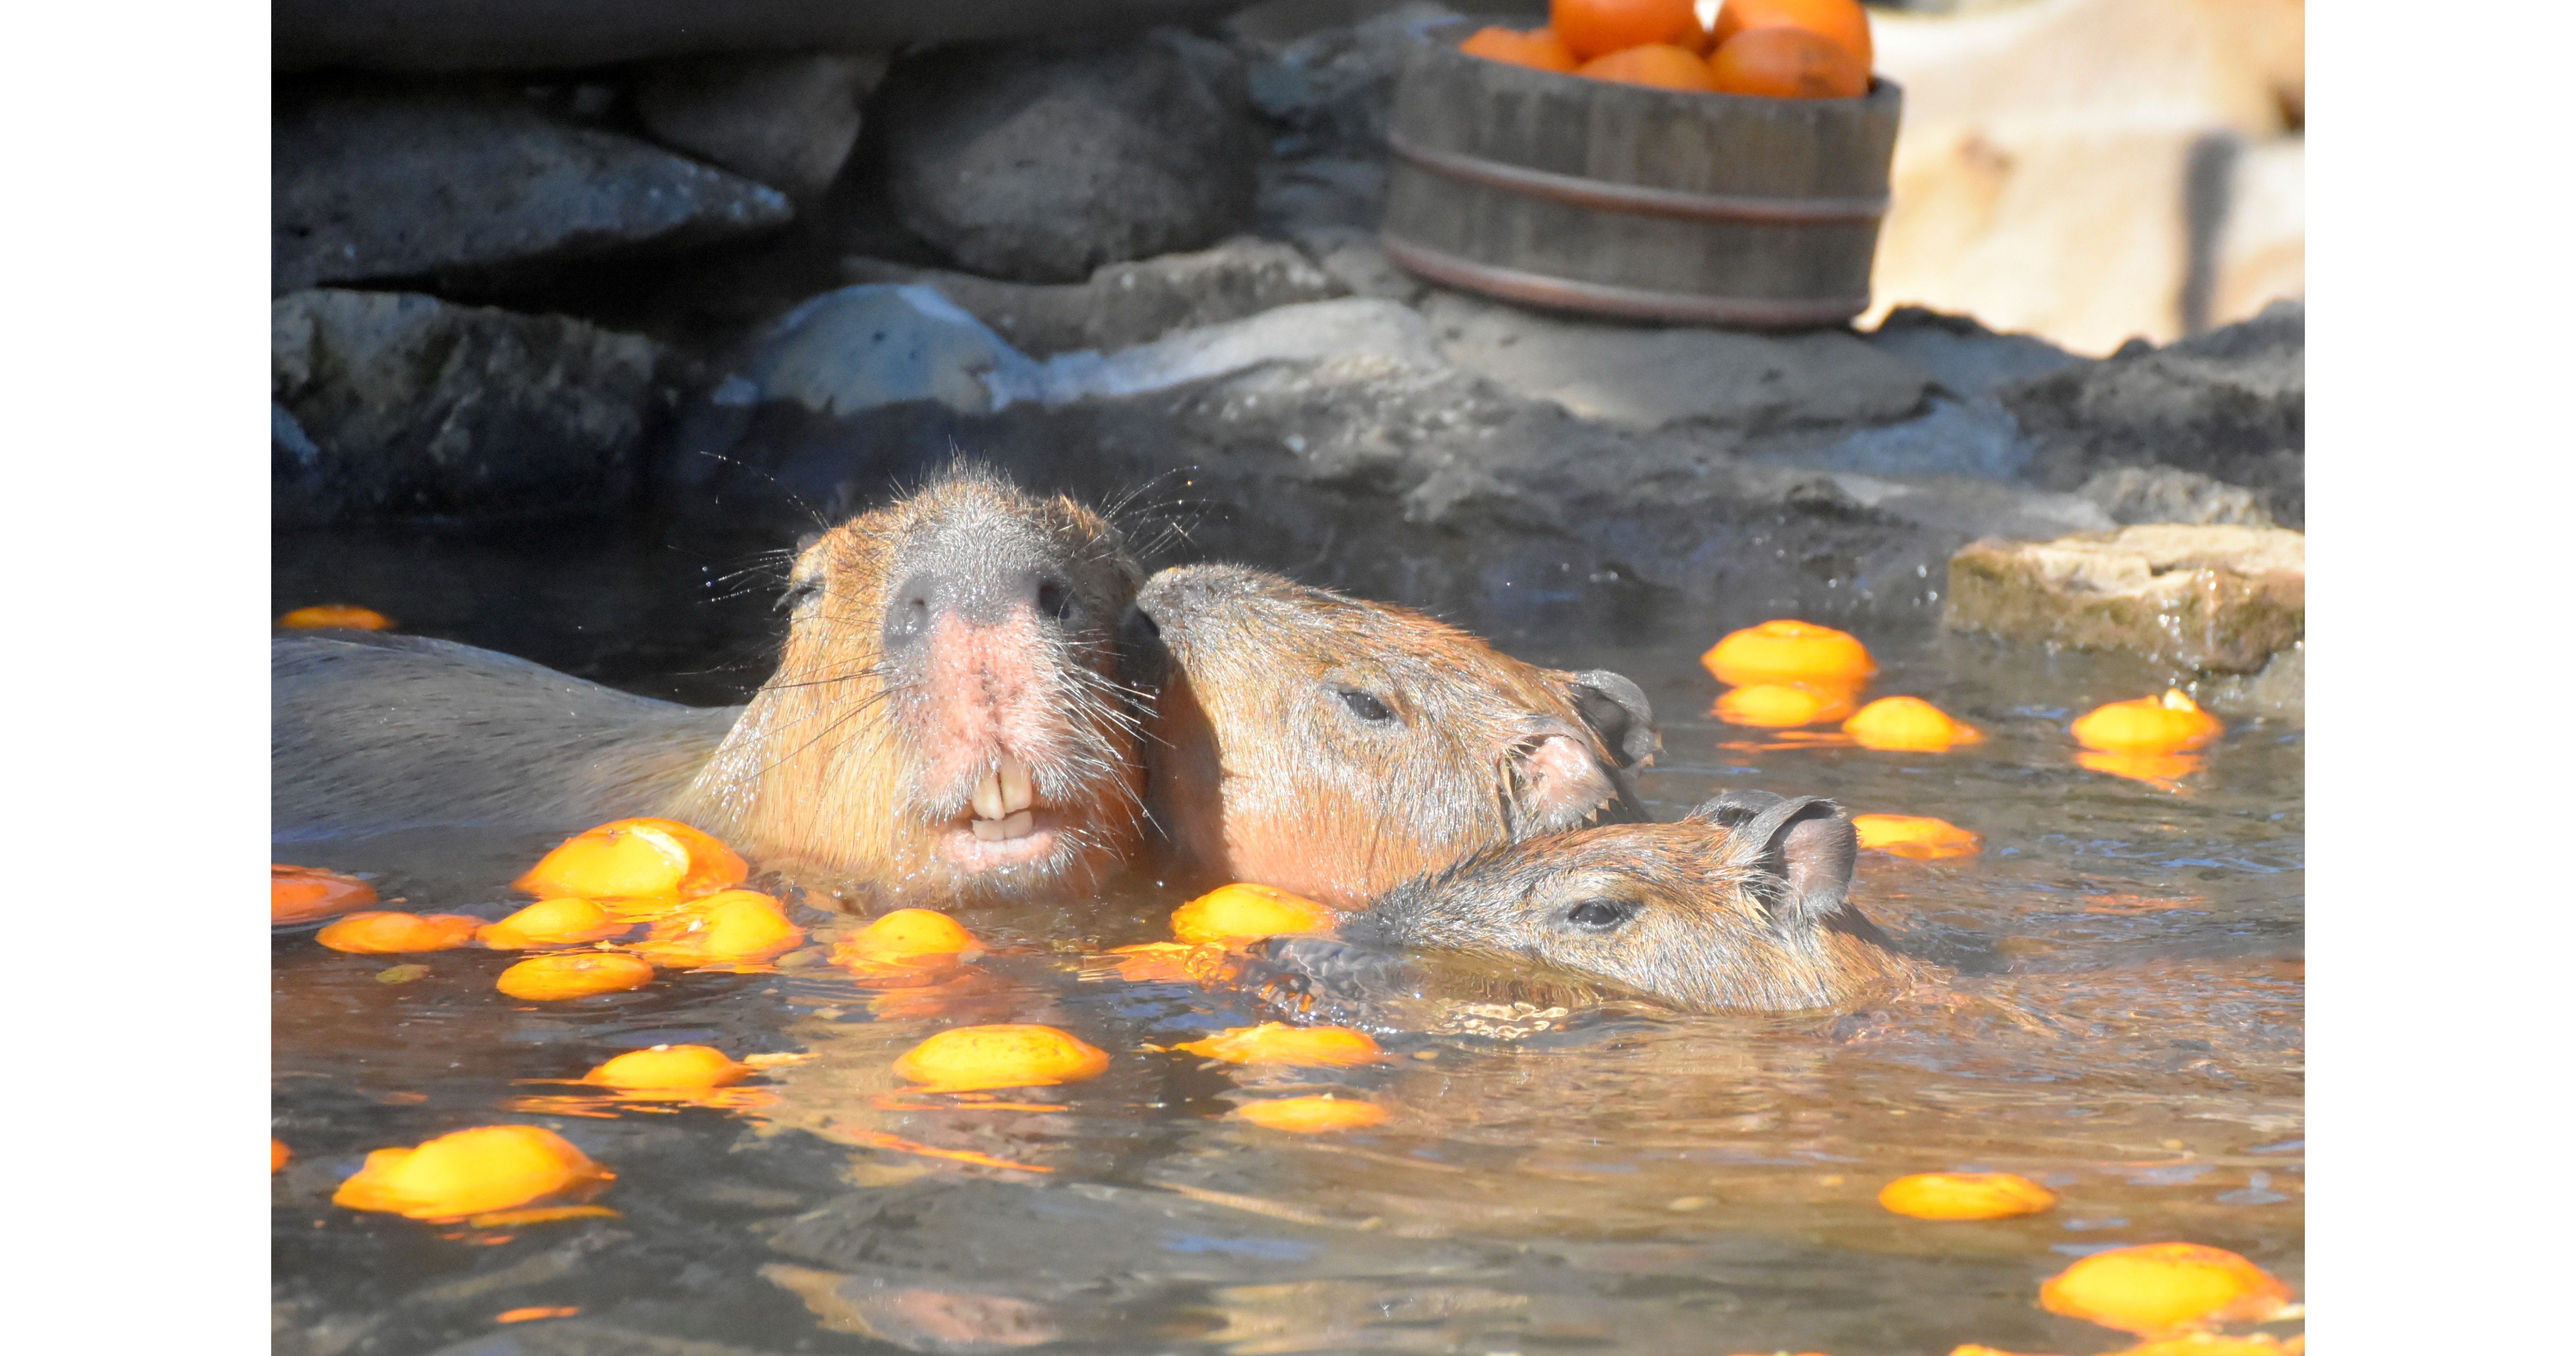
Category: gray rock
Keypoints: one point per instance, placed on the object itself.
(785, 119)
(1648, 377)
(1965, 357)
(2230, 404)
(2211, 599)
(390, 403)
(2166, 494)
(1956, 438)
(1330, 90)
(430, 181)
(1042, 161)
(2278, 692)
(1124, 304)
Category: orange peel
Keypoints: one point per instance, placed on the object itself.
(1280, 1043)
(1785, 650)
(1908, 725)
(1919, 837)
(670, 1068)
(391, 933)
(574, 974)
(563, 921)
(2156, 1289)
(636, 859)
(304, 894)
(1965, 1195)
(1540, 48)
(1312, 1115)
(470, 1172)
(1003, 1055)
(2172, 723)
(1780, 706)
(1243, 911)
(335, 615)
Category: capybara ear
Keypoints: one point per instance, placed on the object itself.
(1728, 809)
(1807, 844)
(1617, 709)
(1558, 784)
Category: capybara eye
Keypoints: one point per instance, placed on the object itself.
(1054, 600)
(1364, 706)
(1598, 915)
(799, 593)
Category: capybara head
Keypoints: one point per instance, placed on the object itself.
(945, 717)
(1333, 747)
(1740, 907)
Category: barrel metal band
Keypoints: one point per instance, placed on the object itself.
(1614, 197)
(1538, 289)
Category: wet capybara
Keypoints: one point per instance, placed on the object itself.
(1742, 906)
(1332, 747)
(945, 719)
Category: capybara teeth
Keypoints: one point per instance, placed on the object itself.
(988, 798)
(1019, 825)
(1015, 790)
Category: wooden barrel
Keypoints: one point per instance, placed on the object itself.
(1588, 195)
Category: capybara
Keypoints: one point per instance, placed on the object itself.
(945, 719)
(1740, 907)
(1333, 747)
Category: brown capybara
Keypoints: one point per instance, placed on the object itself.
(1332, 747)
(1740, 907)
(945, 718)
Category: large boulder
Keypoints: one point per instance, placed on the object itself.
(2206, 599)
(1124, 304)
(395, 404)
(1042, 161)
(787, 119)
(395, 183)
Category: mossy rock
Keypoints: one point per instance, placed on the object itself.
(2220, 599)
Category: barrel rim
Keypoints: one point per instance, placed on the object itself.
(1638, 303)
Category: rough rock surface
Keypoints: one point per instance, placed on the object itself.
(2230, 404)
(438, 180)
(2211, 599)
(2165, 494)
(1126, 303)
(785, 119)
(1041, 161)
(391, 403)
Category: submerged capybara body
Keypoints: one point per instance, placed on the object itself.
(1333, 747)
(944, 721)
(1742, 906)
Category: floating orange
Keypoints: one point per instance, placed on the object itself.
(1596, 28)
(1780, 706)
(1919, 837)
(277, 1155)
(730, 927)
(1965, 1195)
(636, 859)
(1844, 21)
(2159, 1288)
(490, 1167)
(906, 942)
(1786, 63)
(574, 974)
(1242, 911)
(1203, 963)
(2162, 770)
(1908, 725)
(669, 1068)
(2171, 723)
(1788, 651)
(1280, 1043)
(302, 894)
(1540, 48)
(1659, 64)
(375, 934)
(565, 921)
(1003, 1055)
(1312, 1115)
(333, 615)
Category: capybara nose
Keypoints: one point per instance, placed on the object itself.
(987, 598)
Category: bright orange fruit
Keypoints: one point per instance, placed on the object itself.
(1780, 706)
(376, 934)
(1659, 64)
(1243, 910)
(277, 1155)
(730, 926)
(1786, 651)
(1003, 1055)
(553, 922)
(2159, 1288)
(636, 859)
(906, 942)
(573, 974)
(301, 894)
(1919, 837)
(1908, 725)
(670, 1068)
(1842, 21)
(1787, 63)
(1312, 1115)
(2171, 723)
(1596, 28)
(491, 1167)
(1280, 1043)
(331, 615)
(1540, 48)
(1965, 1195)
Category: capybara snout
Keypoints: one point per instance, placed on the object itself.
(1742, 906)
(1333, 747)
(946, 713)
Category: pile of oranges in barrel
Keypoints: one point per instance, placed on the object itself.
(1778, 49)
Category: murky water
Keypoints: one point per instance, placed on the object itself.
(1672, 1184)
